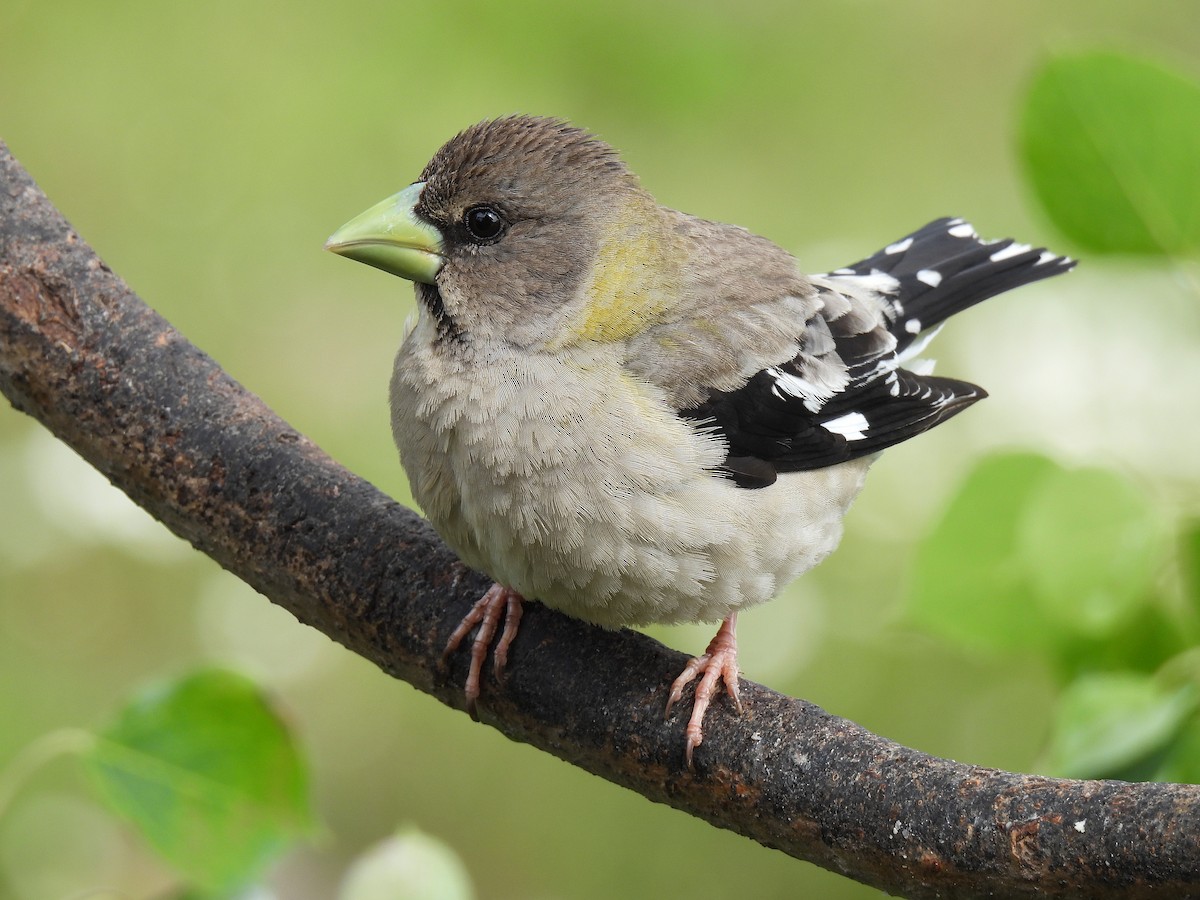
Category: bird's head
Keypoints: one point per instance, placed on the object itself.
(524, 229)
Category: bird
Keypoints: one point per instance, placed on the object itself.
(634, 415)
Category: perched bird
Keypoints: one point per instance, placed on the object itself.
(634, 415)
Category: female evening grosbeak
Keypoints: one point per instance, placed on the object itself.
(634, 415)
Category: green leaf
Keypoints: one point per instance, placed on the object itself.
(1108, 721)
(1142, 644)
(1182, 760)
(1112, 147)
(209, 774)
(970, 583)
(1092, 544)
(1190, 560)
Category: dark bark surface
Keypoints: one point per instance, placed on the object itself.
(107, 375)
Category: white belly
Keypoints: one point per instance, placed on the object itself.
(568, 481)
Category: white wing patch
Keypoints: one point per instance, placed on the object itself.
(852, 426)
(814, 395)
(1013, 249)
(847, 281)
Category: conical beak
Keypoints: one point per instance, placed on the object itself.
(390, 236)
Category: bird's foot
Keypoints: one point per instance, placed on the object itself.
(486, 613)
(718, 662)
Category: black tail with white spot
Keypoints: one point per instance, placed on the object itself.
(946, 267)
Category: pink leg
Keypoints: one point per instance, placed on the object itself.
(718, 661)
(486, 613)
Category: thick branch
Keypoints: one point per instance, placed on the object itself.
(82, 354)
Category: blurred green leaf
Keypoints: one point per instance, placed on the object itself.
(1141, 644)
(1182, 761)
(1092, 544)
(407, 866)
(209, 774)
(1112, 146)
(1190, 556)
(970, 583)
(1108, 721)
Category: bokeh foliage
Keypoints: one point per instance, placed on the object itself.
(1078, 565)
(1110, 143)
(209, 774)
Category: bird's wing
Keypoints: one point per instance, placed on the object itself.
(847, 394)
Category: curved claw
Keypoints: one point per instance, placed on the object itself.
(718, 662)
(486, 613)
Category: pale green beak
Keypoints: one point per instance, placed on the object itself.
(391, 237)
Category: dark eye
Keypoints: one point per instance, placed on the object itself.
(483, 223)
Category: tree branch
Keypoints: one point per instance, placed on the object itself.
(82, 354)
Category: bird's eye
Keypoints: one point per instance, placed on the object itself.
(483, 223)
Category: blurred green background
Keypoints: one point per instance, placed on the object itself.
(207, 150)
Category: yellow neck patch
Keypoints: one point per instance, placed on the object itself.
(636, 277)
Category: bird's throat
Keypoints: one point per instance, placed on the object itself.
(431, 298)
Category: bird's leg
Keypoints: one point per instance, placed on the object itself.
(718, 661)
(486, 613)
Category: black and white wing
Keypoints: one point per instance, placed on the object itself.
(847, 393)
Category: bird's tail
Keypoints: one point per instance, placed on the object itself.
(943, 268)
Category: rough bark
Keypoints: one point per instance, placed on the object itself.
(107, 375)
